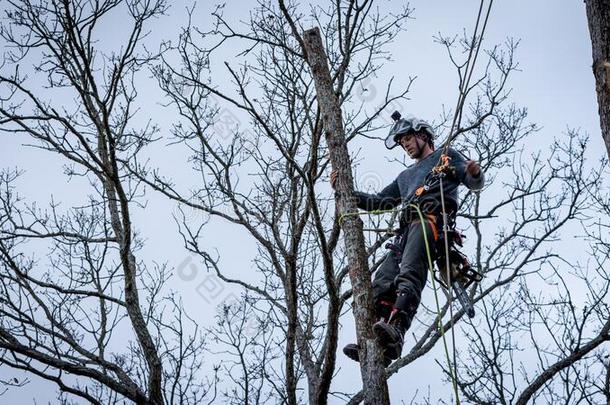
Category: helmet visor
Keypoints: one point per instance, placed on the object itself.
(404, 127)
(390, 143)
(399, 129)
(393, 141)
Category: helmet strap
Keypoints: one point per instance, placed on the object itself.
(420, 148)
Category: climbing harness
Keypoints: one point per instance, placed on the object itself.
(461, 276)
(433, 178)
(458, 274)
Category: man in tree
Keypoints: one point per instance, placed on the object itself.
(398, 283)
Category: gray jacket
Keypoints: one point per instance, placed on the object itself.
(402, 190)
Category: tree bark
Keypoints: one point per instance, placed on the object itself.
(373, 374)
(598, 15)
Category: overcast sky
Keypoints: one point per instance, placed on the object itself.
(555, 83)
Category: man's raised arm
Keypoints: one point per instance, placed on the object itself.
(468, 171)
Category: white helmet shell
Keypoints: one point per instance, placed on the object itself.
(403, 126)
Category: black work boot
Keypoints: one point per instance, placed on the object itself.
(391, 334)
(351, 351)
(383, 310)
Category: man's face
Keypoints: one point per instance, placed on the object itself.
(412, 144)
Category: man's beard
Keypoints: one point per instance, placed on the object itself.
(419, 150)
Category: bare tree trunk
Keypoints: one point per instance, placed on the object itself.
(598, 14)
(373, 374)
(291, 336)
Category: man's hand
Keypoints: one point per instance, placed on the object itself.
(473, 168)
(333, 178)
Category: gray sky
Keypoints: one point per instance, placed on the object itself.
(556, 84)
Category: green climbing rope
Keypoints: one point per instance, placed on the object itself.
(438, 306)
(375, 212)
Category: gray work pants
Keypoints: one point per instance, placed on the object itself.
(406, 273)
